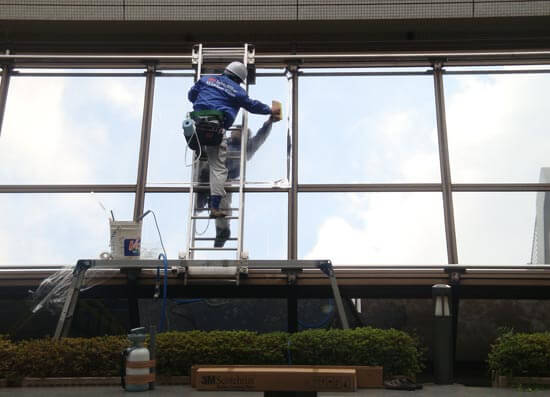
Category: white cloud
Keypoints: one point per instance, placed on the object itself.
(498, 131)
(390, 228)
(44, 143)
(35, 135)
(490, 119)
(117, 93)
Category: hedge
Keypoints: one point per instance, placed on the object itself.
(521, 354)
(398, 352)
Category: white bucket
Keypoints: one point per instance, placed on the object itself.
(125, 239)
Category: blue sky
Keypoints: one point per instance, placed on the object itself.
(352, 129)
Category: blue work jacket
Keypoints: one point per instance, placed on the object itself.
(219, 92)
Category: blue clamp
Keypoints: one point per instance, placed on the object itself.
(326, 267)
(82, 265)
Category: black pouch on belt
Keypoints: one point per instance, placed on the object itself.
(209, 131)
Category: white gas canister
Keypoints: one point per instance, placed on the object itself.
(138, 376)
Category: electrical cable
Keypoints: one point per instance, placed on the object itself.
(186, 301)
(164, 293)
(164, 258)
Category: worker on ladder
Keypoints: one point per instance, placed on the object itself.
(216, 101)
(233, 143)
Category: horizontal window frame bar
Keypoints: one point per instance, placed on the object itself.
(385, 59)
(302, 188)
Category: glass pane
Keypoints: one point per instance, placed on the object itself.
(168, 153)
(265, 226)
(270, 162)
(367, 129)
(372, 228)
(169, 157)
(58, 229)
(495, 228)
(71, 130)
(171, 212)
(498, 127)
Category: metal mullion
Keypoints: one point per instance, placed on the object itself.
(301, 188)
(385, 59)
(482, 72)
(67, 188)
(293, 193)
(4, 85)
(232, 189)
(450, 231)
(369, 187)
(75, 74)
(175, 74)
(145, 143)
(360, 74)
(500, 187)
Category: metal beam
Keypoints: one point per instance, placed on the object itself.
(452, 254)
(145, 142)
(293, 193)
(67, 188)
(4, 85)
(267, 60)
(302, 188)
(369, 187)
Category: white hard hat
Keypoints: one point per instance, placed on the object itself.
(238, 69)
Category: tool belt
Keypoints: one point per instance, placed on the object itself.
(209, 128)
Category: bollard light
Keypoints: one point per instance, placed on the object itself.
(442, 334)
(441, 294)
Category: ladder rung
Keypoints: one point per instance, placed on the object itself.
(207, 217)
(223, 209)
(222, 51)
(211, 249)
(213, 238)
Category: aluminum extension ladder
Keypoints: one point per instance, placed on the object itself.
(215, 59)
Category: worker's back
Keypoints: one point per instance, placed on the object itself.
(218, 92)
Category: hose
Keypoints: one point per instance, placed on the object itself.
(164, 293)
(323, 322)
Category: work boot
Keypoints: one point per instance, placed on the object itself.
(215, 211)
(222, 235)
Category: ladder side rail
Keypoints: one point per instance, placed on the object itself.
(191, 221)
(242, 179)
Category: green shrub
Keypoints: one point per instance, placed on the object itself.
(521, 354)
(395, 350)
(98, 356)
(7, 354)
(178, 351)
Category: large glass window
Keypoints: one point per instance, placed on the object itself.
(58, 229)
(372, 228)
(265, 227)
(269, 163)
(71, 130)
(169, 157)
(374, 129)
(171, 211)
(495, 228)
(498, 127)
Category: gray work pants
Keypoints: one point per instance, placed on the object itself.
(218, 169)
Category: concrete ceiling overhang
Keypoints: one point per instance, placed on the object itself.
(277, 36)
